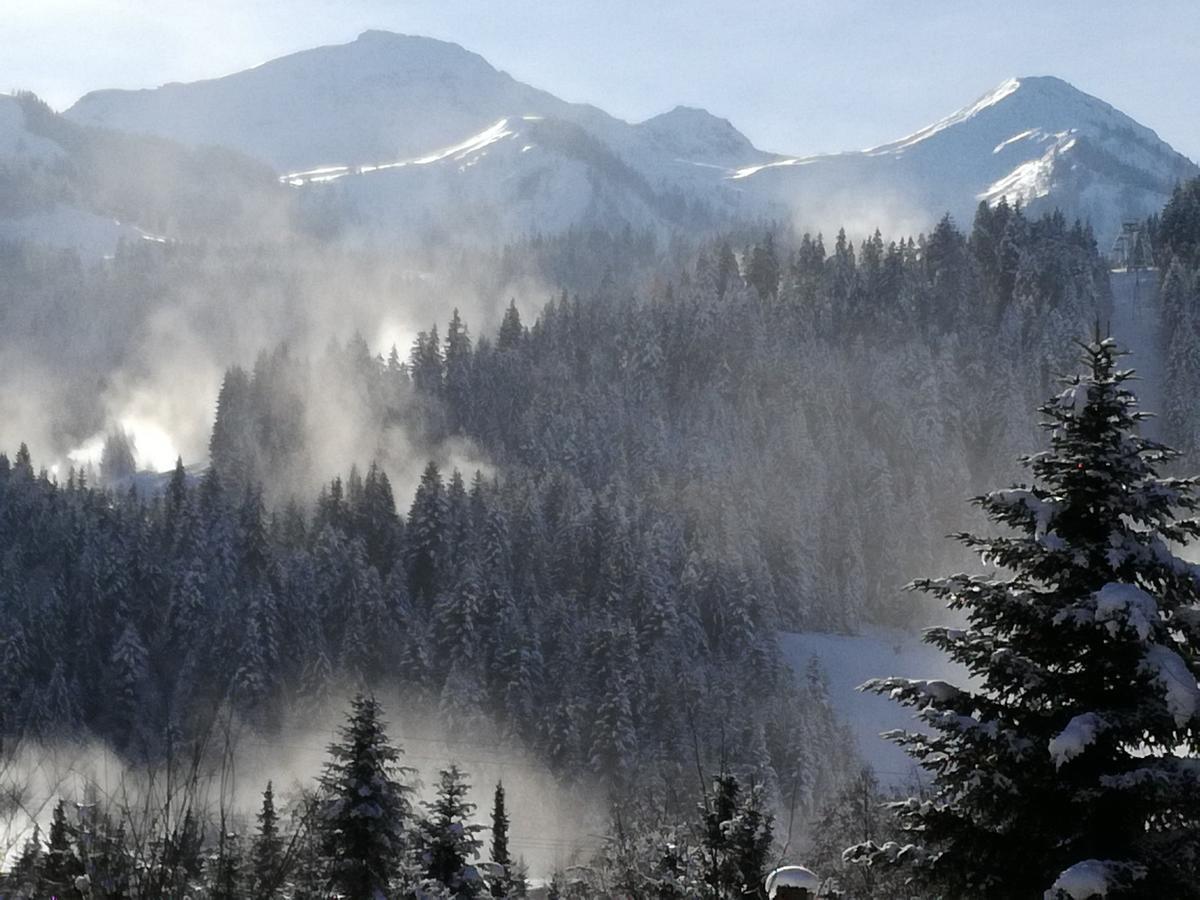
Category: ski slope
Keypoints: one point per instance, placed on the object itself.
(849, 660)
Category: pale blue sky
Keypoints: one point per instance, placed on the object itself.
(794, 76)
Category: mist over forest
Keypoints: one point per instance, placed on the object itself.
(354, 515)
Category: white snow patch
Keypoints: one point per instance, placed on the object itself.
(936, 690)
(476, 144)
(1032, 179)
(1177, 680)
(1082, 881)
(747, 171)
(1139, 609)
(849, 660)
(1079, 734)
(470, 145)
(1077, 397)
(989, 99)
(1016, 137)
(1043, 511)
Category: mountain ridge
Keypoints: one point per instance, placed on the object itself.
(390, 106)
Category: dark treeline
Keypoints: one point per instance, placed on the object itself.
(359, 833)
(583, 633)
(1176, 241)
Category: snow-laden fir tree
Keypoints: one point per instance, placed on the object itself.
(736, 831)
(1069, 766)
(61, 866)
(448, 839)
(366, 806)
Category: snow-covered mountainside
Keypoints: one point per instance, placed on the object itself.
(33, 205)
(379, 98)
(1036, 140)
(387, 97)
(399, 131)
(86, 188)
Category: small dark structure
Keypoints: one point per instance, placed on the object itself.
(792, 883)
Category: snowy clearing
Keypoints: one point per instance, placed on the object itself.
(850, 660)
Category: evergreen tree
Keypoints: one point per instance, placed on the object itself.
(62, 866)
(458, 373)
(176, 490)
(26, 874)
(1077, 753)
(448, 839)
(499, 848)
(366, 806)
(266, 860)
(763, 270)
(736, 834)
(728, 275)
(1178, 229)
(500, 827)
(427, 536)
(511, 330)
(117, 457)
(227, 867)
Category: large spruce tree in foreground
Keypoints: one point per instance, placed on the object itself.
(366, 806)
(1069, 767)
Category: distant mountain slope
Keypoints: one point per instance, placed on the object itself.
(84, 187)
(410, 112)
(418, 133)
(37, 202)
(1036, 140)
(380, 98)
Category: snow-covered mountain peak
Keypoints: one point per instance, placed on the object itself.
(1036, 139)
(1030, 106)
(696, 135)
(424, 56)
(990, 99)
(379, 98)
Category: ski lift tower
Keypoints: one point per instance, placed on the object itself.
(1131, 249)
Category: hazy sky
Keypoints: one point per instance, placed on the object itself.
(794, 76)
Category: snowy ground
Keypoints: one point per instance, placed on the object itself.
(848, 661)
(1135, 325)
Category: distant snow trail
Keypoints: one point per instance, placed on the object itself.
(1136, 324)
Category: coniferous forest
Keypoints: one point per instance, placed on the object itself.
(777, 437)
(477, 567)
